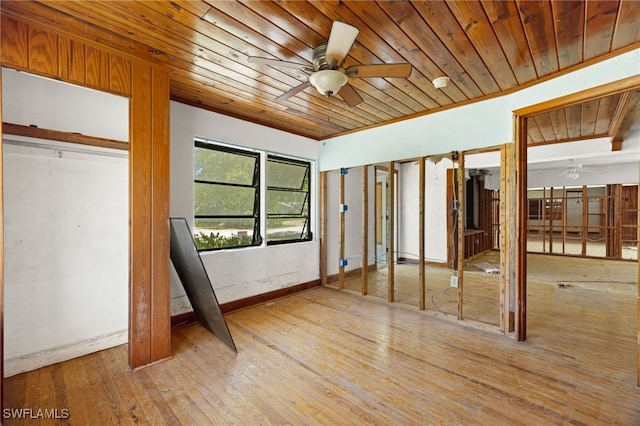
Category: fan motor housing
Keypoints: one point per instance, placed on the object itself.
(320, 57)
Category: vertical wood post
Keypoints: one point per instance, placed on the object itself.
(461, 227)
(507, 231)
(391, 232)
(341, 225)
(421, 232)
(149, 288)
(323, 227)
(365, 230)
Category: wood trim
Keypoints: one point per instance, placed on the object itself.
(353, 273)
(323, 227)
(391, 178)
(236, 305)
(521, 207)
(461, 228)
(582, 96)
(160, 235)
(49, 134)
(365, 230)
(140, 214)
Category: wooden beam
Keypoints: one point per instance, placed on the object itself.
(616, 144)
(461, 228)
(56, 135)
(323, 227)
(341, 225)
(365, 230)
(391, 232)
(421, 232)
(615, 131)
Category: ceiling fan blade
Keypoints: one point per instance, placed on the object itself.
(289, 93)
(401, 70)
(340, 41)
(276, 63)
(350, 96)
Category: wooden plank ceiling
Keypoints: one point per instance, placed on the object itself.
(486, 48)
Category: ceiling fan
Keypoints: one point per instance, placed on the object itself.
(328, 75)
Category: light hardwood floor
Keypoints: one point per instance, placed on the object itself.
(330, 357)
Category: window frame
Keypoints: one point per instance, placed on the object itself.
(256, 239)
(307, 202)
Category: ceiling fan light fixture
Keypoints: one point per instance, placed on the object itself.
(328, 82)
(573, 175)
(440, 82)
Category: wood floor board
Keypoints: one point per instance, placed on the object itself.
(329, 357)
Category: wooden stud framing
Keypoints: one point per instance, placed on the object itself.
(551, 208)
(461, 227)
(421, 232)
(322, 186)
(585, 219)
(507, 244)
(341, 225)
(390, 232)
(365, 230)
(638, 316)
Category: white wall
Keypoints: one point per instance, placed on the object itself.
(238, 273)
(65, 226)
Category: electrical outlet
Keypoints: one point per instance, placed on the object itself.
(454, 281)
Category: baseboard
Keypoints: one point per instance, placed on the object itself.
(354, 273)
(225, 308)
(33, 361)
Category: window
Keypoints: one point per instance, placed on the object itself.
(228, 210)
(288, 200)
(226, 197)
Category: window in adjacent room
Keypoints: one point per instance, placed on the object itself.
(226, 197)
(288, 200)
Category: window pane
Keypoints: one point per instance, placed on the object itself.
(217, 233)
(286, 229)
(286, 175)
(286, 202)
(224, 167)
(223, 200)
